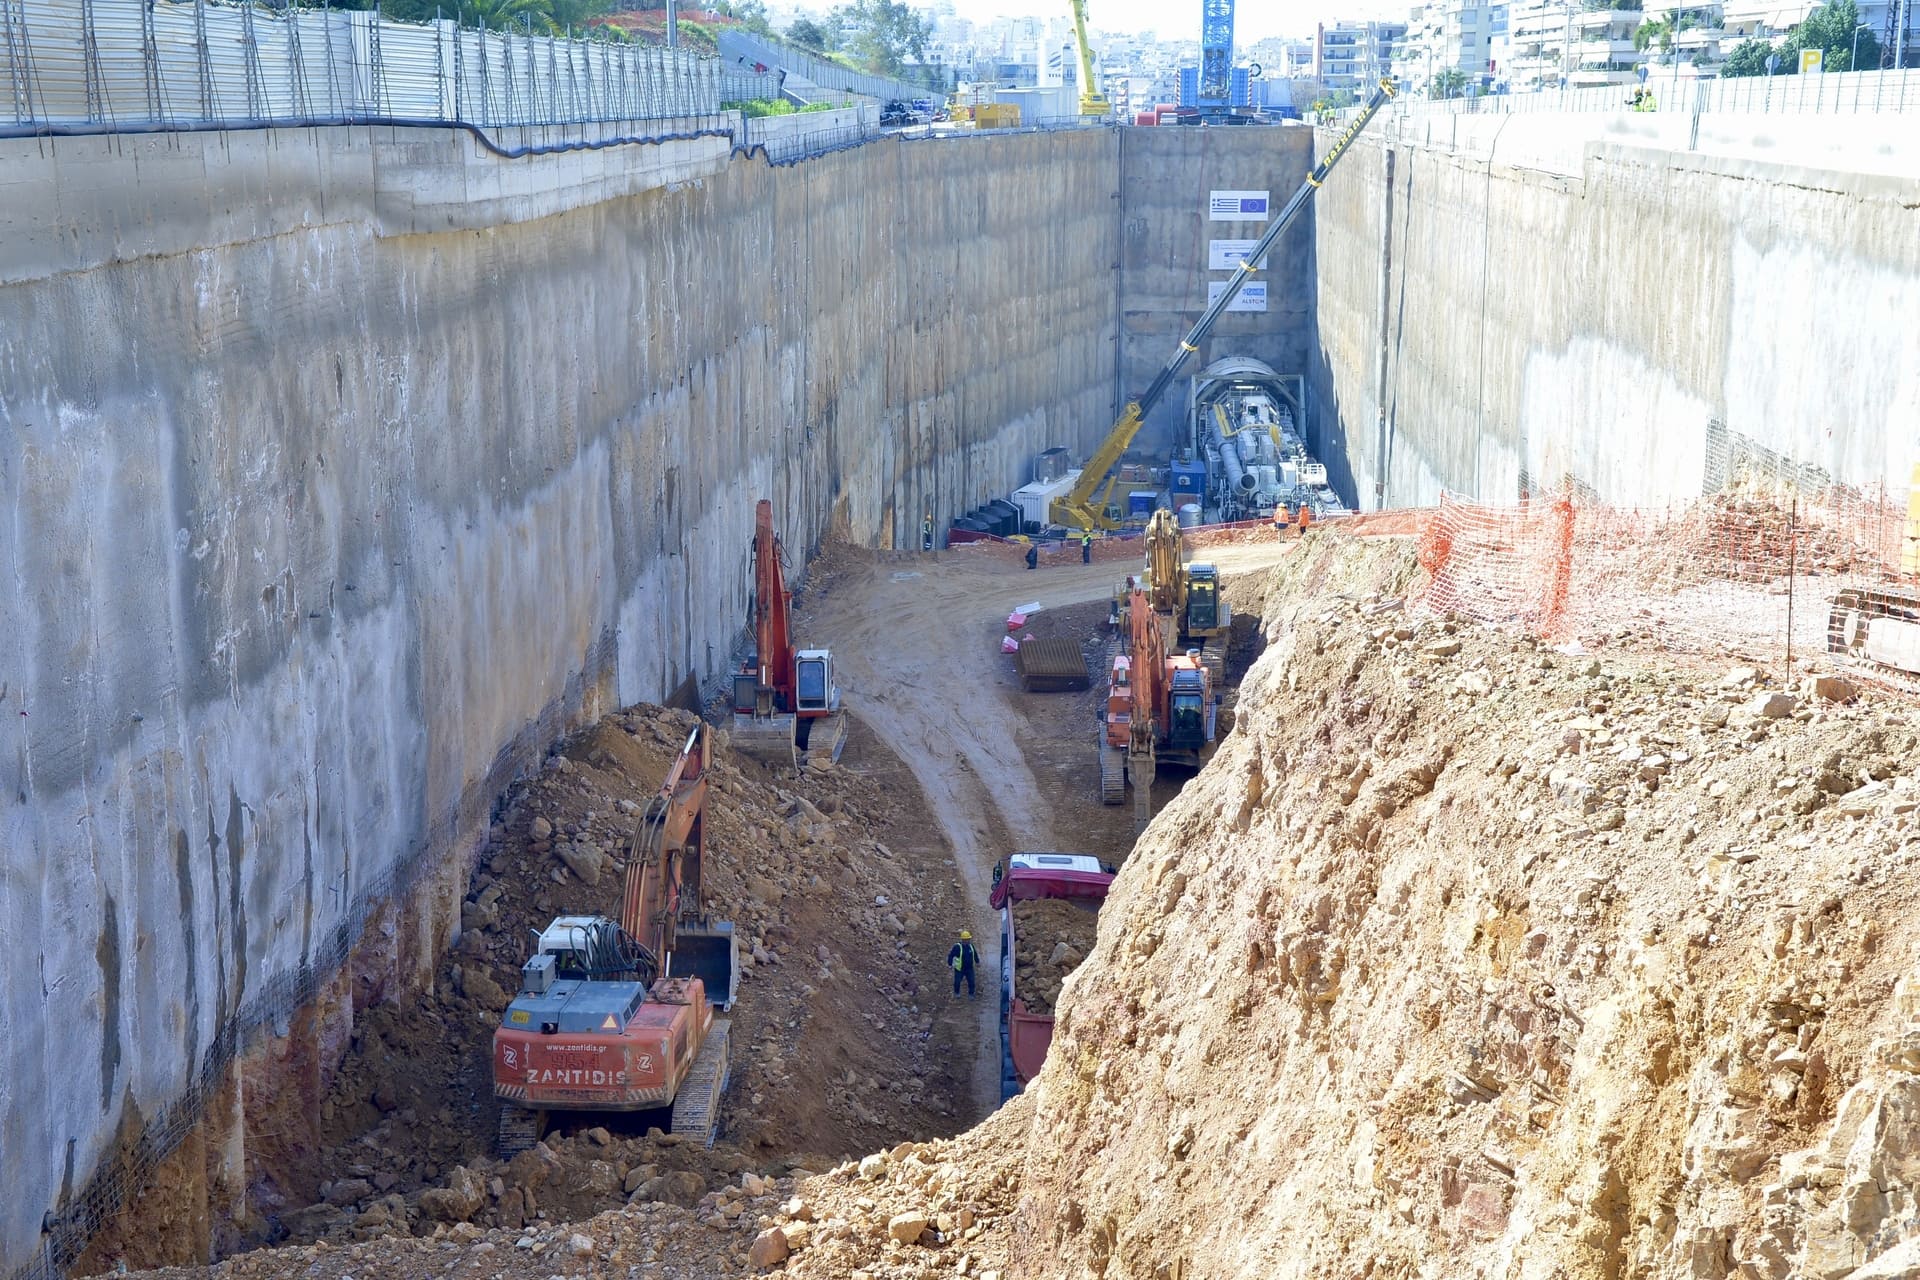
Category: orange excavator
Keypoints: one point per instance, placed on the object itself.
(785, 704)
(625, 1016)
(1161, 709)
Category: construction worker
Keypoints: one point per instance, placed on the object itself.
(1306, 518)
(1033, 555)
(1086, 546)
(963, 959)
(926, 532)
(1281, 518)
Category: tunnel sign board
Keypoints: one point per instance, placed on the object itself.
(1252, 295)
(1227, 255)
(1237, 206)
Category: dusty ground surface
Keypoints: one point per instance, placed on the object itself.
(840, 892)
(916, 642)
(1465, 957)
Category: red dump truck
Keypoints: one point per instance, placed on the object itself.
(1048, 903)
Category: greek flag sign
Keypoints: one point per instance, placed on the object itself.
(1237, 206)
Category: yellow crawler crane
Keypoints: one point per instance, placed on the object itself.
(1093, 103)
(1087, 505)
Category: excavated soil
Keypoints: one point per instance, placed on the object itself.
(1465, 957)
(841, 894)
(1050, 938)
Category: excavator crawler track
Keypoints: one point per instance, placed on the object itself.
(696, 1107)
(1113, 775)
(518, 1129)
(1877, 628)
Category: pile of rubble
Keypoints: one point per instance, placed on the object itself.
(1051, 937)
(830, 878)
(1467, 948)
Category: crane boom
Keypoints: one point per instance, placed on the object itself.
(1078, 506)
(1092, 101)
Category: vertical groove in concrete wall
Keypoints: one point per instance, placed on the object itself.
(333, 504)
(1561, 309)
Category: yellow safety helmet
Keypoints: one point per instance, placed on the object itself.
(966, 934)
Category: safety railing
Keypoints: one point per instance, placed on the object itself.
(109, 65)
(744, 49)
(1854, 91)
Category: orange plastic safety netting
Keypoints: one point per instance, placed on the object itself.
(1760, 569)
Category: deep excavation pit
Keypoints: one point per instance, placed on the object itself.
(1464, 957)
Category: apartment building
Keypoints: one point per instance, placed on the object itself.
(1353, 55)
(1449, 35)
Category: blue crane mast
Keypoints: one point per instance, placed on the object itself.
(1216, 55)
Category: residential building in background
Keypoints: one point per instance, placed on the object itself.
(1448, 35)
(1353, 55)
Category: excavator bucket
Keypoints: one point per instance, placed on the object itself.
(768, 739)
(709, 953)
(822, 737)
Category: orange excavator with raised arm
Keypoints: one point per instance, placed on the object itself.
(785, 704)
(1160, 710)
(622, 1016)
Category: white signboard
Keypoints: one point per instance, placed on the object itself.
(1227, 255)
(1237, 206)
(1252, 295)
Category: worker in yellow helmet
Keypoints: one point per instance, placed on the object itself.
(963, 959)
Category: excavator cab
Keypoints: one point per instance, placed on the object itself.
(814, 692)
(1203, 598)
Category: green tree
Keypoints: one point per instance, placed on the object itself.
(1750, 59)
(810, 34)
(1657, 31)
(1451, 83)
(1831, 29)
(883, 34)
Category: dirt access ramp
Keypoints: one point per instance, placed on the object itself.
(916, 646)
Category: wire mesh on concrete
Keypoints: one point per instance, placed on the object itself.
(100, 65)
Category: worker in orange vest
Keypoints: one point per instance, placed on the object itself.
(1306, 518)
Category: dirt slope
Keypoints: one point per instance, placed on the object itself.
(1467, 957)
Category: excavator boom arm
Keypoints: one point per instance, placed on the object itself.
(663, 865)
(1074, 507)
(772, 628)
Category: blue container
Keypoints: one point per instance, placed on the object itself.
(1189, 479)
(1140, 502)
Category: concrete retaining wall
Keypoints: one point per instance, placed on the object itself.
(1166, 175)
(348, 467)
(1509, 302)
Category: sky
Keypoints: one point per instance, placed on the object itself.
(1172, 19)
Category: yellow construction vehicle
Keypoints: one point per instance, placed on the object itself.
(1186, 598)
(1087, 505)
(1092, 102)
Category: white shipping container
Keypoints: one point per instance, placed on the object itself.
(1036, 500)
